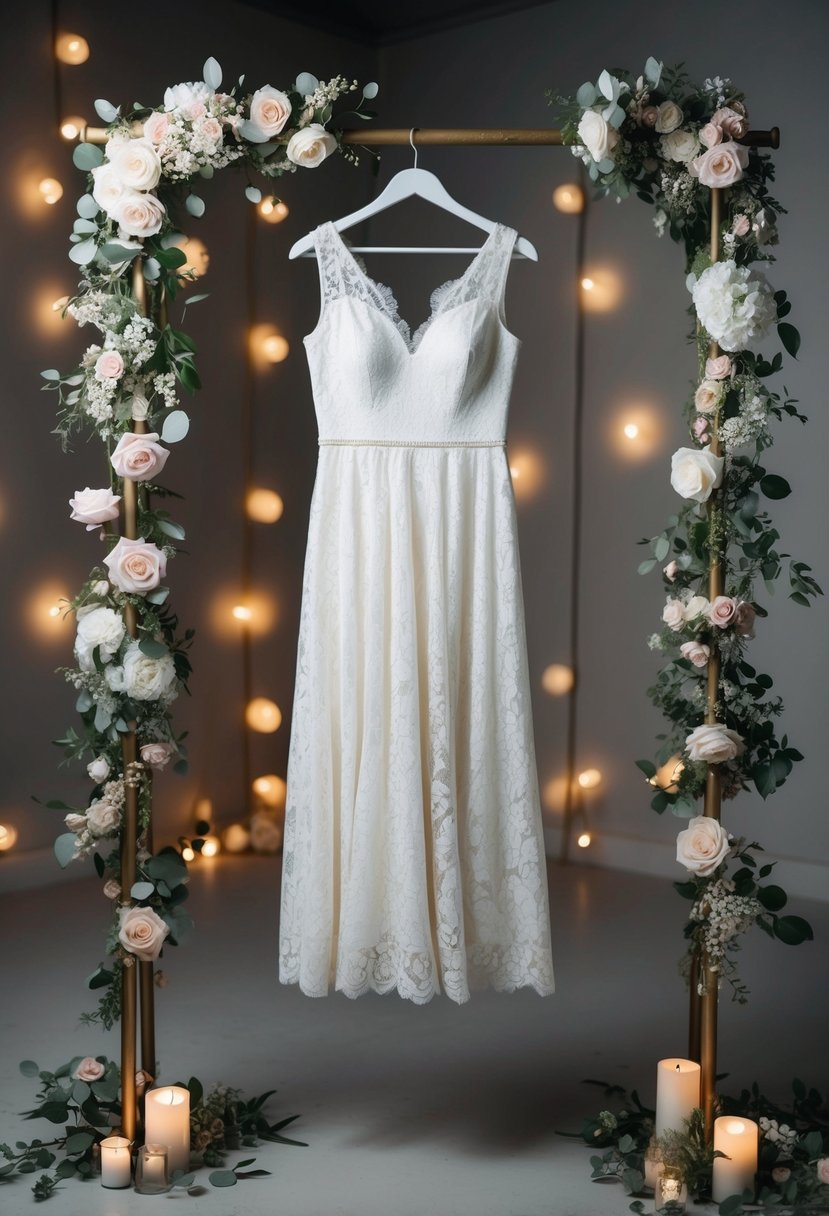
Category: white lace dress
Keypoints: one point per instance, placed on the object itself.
(414, 857)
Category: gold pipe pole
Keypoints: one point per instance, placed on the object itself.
(694, 1011)
(712, 802)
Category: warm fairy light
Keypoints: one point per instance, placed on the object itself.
(270, 790)
(635, 430)
(50, 190)
(589, 779)
(8, 837)
(252, 610)
(558, 679)
(198, 257)
(263, 506)
(72, 126)
(72, 49)
(569, 198)
(235, 838)
(666, 777)
(275, 348)
(46, 612)
(601, 289)
(527, 472)
(631, 430)
(263, 715)
(242, 612)
(584, 840)
(267, 345)
(587, 284)
(188, 853)
(273, 211)
(210, 846)
(54, 610)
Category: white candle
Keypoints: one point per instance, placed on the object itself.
(738, 1139)
(154, 1164)
(167, 1121)
(677, 1094)
(116, 1162)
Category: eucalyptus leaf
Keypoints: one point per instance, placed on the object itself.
(86, 207)
(83, 253)
(84, 701)
(371, 90)
(80, 1093)
(65, 849)
(152, 649)
(253, 134)
(172, 529)
(159, 595)
(105, 110)
(152, 269)
(212, 74)
(84, 226)
(586, 95)
(29, 1068)
(87, 156)
(253, 194)
(142, 890)
(79, 1142)
(176, 425)
(102, 718)
(223, 1178)
(306, 83)
(653, 71)
(51, 374)
(194, 205)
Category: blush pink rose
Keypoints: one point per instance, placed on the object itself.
(708, 396)
(112, 888)
(197, 110)
(722, 611)
(270, 109)
(721, 165)
(94, 507)
(696, 652)
(718, 368)
(673, 615)
(649, 116)
(136, 566)
(744, 619)
(89, 1069)
(670, 571)
(823, 1170)
(139, 457)
(711, 134)
(700, 429)
(741, 225)
(142, 933)
(157, 755)
(109, 365)
(731, 121)
(156, 127)
(210, 128)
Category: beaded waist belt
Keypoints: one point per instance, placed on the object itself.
(412, 443)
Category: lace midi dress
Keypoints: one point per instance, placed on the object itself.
(414, 857)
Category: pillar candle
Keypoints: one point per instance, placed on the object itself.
(677, 1094)
(738, 1139)
(167, 1121)
(116, 1162)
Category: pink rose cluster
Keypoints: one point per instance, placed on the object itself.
(724, 159)
(709, 395)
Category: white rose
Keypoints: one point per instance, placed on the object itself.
(696, 606)
(696, 474)
(182, 96)
(107, 187)
(714, 744)
(668, 117)
(142, 933)
(598, 136)
(94, 507)
(75, 823)
(673, 614)
(102, 818)
(708, 396)
(101, 627)
(157, 755)
(137, 214)
(136, 566)
(680, 146)
(147, 679)
(98, 769)
(269, 110)
(137, 164)
(702, 846)
(310, 146)
(89, 1069)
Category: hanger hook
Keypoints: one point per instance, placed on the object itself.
(412, 142)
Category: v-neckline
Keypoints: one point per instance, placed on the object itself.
(391, 310)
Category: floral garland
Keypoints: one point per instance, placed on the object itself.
(670, 142)
(138, 185)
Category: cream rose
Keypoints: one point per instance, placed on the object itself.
(99, 628)
(76, 823)
(310, 146)
(722, 611)
(714, 744)
(136, 163)
(673, 615)
(731, 122)
(139, 457)
(137, 214)
(210, 128)
(269, 110)
(708, 396)
(94, 507)
(702, 846)
(695, 607)
(696, 652)
(668, 117)
(107, 187)
(147, 679)
(823, 1170)
(89, 1070)
(157, 755)
(696, 474)
(681, 146)
(598, 136)
(710, 135)
(744, 619)
(142, 933)
(718, 368)
(112, 888)
(156, 127)
(98, 769)
(135, 566)
(721, 165)
(671, 570)
(102, 818)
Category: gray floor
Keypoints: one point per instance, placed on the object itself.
(407, 1110)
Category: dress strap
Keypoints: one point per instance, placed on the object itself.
(328, 263)
(496, 266)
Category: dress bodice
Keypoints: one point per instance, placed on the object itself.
(448, 383)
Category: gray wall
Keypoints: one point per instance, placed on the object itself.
(492, 73)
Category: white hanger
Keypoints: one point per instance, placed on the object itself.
(406, 184)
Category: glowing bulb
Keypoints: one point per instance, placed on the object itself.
(569, 198)
(275, 348)
(527, 473)
(242, 612)
(263, 715)
(198, 257)
(630, 430)
(558, 679)
(72, 49)
(264, 506)
(601, 289)
(72, 126)
(270, 789)
(188, 854)
(588, 284)
(589, 779)
(273, 211)
(54, 611)
(267, 345)
(584, 840)
(8, 837)
(211, 846)
(235, 838)
(50, 190)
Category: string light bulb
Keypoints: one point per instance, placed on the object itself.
(8, 837)
(270, 789)
(267, 346)
(584, 840)
(242, 612)
(558, 679)
(587, 283)
(263, 715)
(275, 348)
(235, 838)
(601, 289)
(273, 211)
(72, 127)
(631, 430)
(589, 779)
(50, 190)
(569, 198)
(211, 845)
(263, 506)
(71, 49)
(188, 853)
